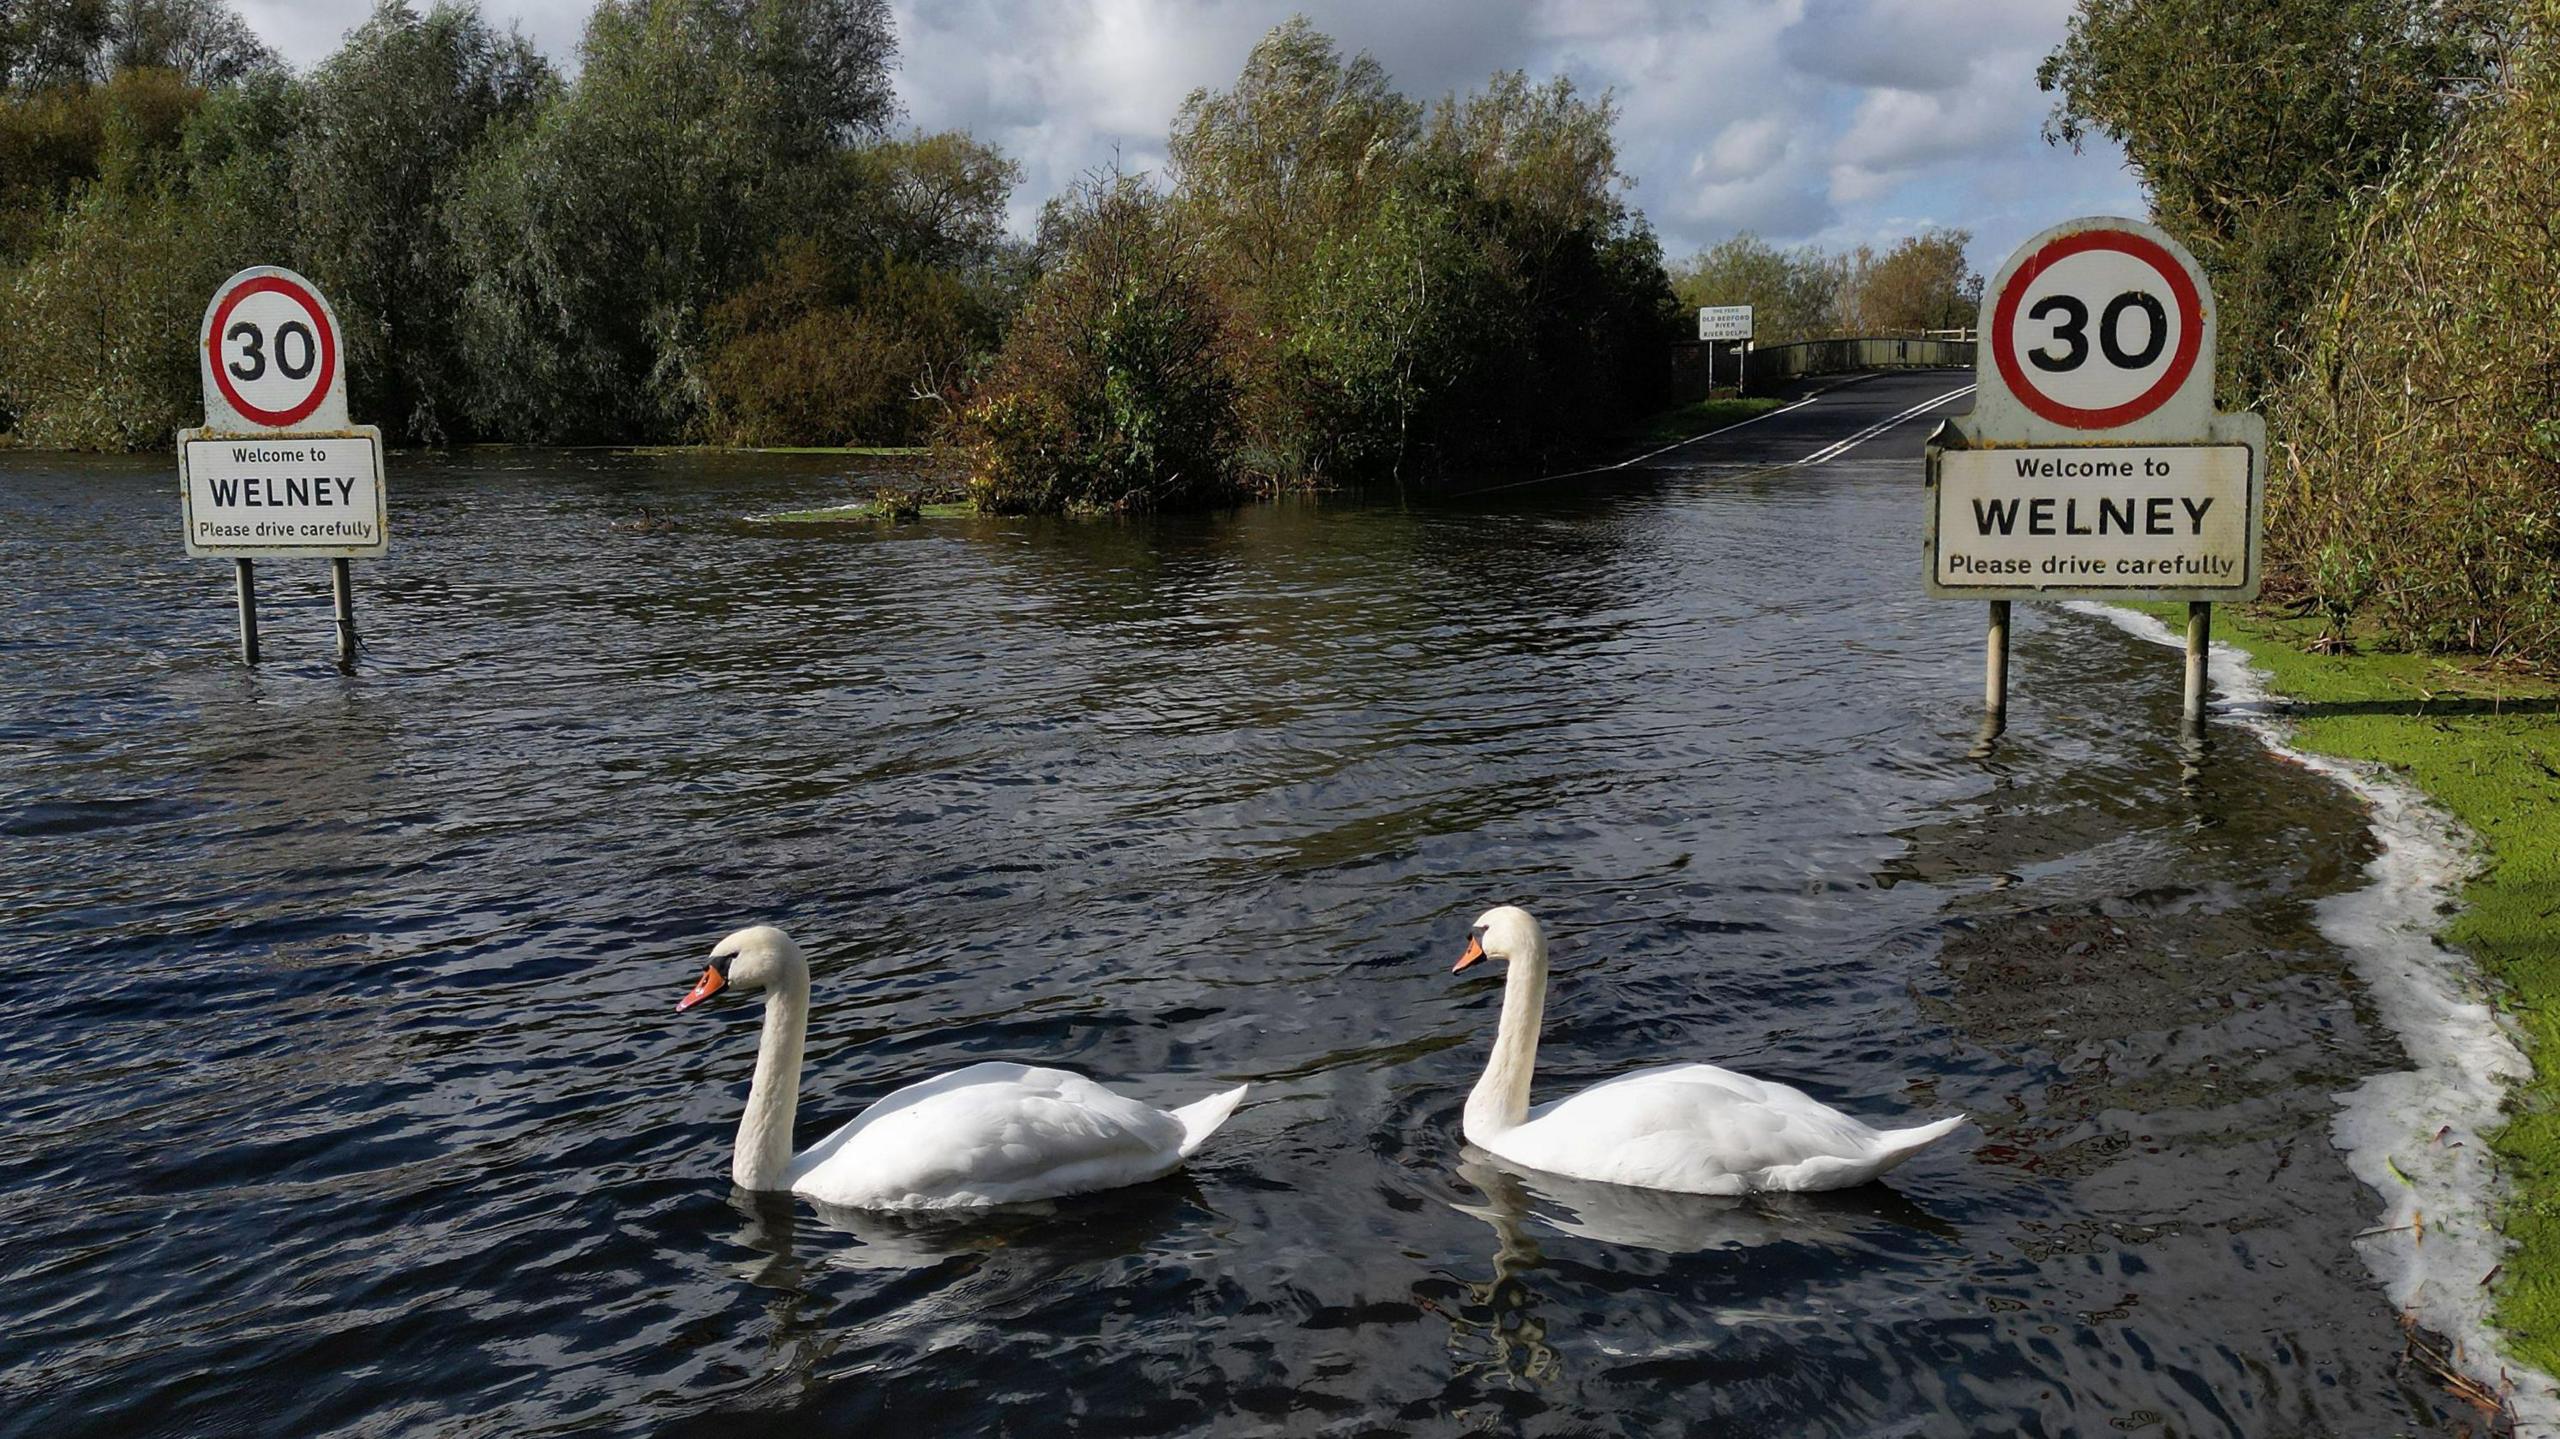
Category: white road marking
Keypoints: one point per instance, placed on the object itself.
(1838, 448)
(1677, 444)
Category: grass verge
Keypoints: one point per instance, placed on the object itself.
(1681, 421)
(2485, 745)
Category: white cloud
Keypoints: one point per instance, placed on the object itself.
(1928, 45)
(1743, 149)
(1828, 121)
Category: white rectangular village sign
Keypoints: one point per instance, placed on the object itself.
(2093, 464)
(278, 470)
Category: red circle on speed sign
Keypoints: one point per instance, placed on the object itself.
(2066, 401)
(263, 354)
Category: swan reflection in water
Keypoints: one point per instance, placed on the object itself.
(1520, 1203)
(1052, 1234)
(806, 1254)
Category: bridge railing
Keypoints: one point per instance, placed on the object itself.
(1769, 366)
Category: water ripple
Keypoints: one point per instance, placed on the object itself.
(341, 1089)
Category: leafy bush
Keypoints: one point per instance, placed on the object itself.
(805, 356)
(2415, 492)
(1388, 342)
(1408, 294)
(98, 321)
(97, 333)
(1112, 391)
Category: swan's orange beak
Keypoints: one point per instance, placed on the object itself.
(1475, 951)
(709, 985)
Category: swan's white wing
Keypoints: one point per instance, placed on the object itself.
(1699, 1129)
(989, 1134)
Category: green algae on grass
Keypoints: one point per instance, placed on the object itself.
(884, 452)
(864, 512)
(2486, 747)
(877, 452)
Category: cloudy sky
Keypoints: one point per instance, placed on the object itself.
(1829, 121)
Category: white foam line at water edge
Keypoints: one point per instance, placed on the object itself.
(1677, 444)
(2415, 1134)
(1841, 447)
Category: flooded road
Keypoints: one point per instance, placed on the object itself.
(342, 1088)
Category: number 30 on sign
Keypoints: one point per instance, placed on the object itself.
(270, 356)
(2097, 329)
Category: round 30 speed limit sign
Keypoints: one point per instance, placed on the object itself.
(272, 348)
(272, 356)
(2097, 329)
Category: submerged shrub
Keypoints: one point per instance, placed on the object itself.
(97, 333)
(1112, 392)
(810, 356)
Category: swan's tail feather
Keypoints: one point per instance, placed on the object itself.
(1896, 1145)
(1201, 1120)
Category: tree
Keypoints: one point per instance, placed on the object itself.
(1539, 160)
(2253, 125)
(1391, 334)
(98, 319)
(934, 199)
(387, 126)
(1304, 144)
(1532, 171)
(53, 43)
(54, 140)
(1790, 292)
(2415, 492)
(1405, 290)
(98, 327)
(597, 236)
(1922, 283)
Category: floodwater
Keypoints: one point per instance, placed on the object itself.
(342, 1088)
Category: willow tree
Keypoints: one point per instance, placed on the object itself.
(598, 236)
(387, 126)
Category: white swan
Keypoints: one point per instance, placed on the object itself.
(1687, 1127)
(987, 1134)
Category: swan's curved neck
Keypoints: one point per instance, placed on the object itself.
(763, 1158)
(1501, 1099)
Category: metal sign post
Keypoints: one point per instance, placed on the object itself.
(2093, 464)
(244, 579)
(277, 470)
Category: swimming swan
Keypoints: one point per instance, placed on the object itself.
(987, 1134)
(1687, 1127)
